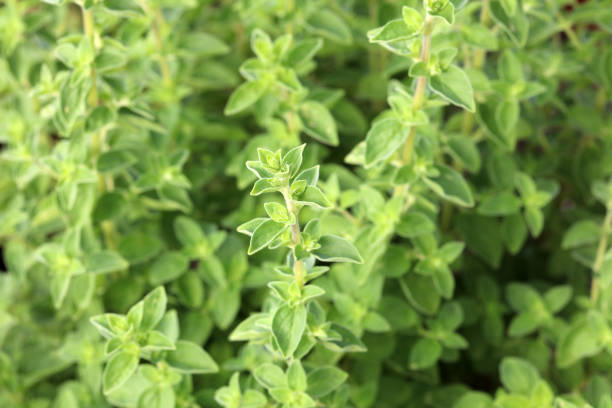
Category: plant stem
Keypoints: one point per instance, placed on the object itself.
(298, 266)
(96, 142)
(419, 94)
(373, 54)
(157, 27)
(108, 227)
(163, 62)
(479, 56)
(601, 252)
(479, 60)
(569, 31)
(600, 99)
(89, 29)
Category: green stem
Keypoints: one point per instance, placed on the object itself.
(163, 62)
(104, 184)
(419, 94)
(479, 56)
(298, 266)
(479, 59)
(600, 99)
(372, 51)
(89, 29)
(569, 31)
(601, 252)
(157, 27)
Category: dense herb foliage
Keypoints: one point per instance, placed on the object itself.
(306, 203)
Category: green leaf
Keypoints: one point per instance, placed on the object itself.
(499, 204)
(60, 282)
(535, 220)
(451, 186)
(413, 224)
(444, 282)
(109, 205)
(296, 376)
(253, 399)
(413, 19)
(336, 249)
(509, 68)
(323, 380)
(346, 341)
(509, 6)
(190, 358)
(66, 399)
(327, 24)
(265, 185)
(293, 159)
(109, 59)
(480, 36)
(250, 226)
(395, 30)
(262, 45)
(581, 233)
(516, 26)
(264, 234)
(158, 396)
(158, 341)
(507, 115)
(226, 306)
(425, 353)
(464, 150)
(115, 160)
(376, 323)
(120, 368)
(482, 235)
(288, 326)
(383, 139)
(310, 176)
(188, 232)
(123, 7)
(244, 96)
(450, 251)
(446, 13)
(168, 267)
(314, 197)
(154, 307)
(518, 375)
(514, 233)
(190, 289)
(451, 316)
(203, 44)
(454, 86)
(556, 298)
(105, 261)
(276, 211)
(137, 247)
(584, 338)
(487, 113)
(524, 324)
(523, 297)
(100, 117)
(174, 197)
(303, 51)
(421, 292)
(318, 122)
(270, 376)
(474, 399)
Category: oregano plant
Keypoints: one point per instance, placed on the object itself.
(316, 203)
